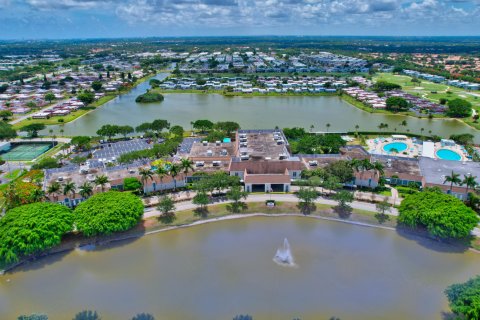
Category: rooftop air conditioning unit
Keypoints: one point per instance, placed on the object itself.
(205, 143)
(283, 156)
(279, 142)
(216, 163)
(313, 163)
(245, 157)
(217, 143)
(209, 153)
(199, 164)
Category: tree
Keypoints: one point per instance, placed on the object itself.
(7, 131)
(69, 188)
(159, 125)
(201, 199)
(85, 190)
(340, 169)
(307, 197)
(149, 97)
(469, 181)
(459, 108)
(177, 130)
(86, 97)
(344, 198)
(97, 85)
(463, 138)
(32, 129)
(108, 130)
(108, 212)
(186, 165)
(161, 173)
(228, 127)
(5, 114)
(131, 184)
(34, 316)
(464, 299)
(81, 142)
(442, 215)
(125, 130)
(49, 97)
(397, 104)
(173, 171)
(31, 229)
(167, 207)
(203, 125)
(101, 181)
(236, 194)
(381, 86)
(143, 316)
(87, 315)
(46, 163)
(454, 178)
(382, 209)
(145, 175)
(54, 190)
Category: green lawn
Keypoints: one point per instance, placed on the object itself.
(425, 89)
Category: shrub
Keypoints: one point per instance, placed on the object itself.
(444, 216)
(109, 212)
(32, 228)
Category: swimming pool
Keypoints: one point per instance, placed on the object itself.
(399, 146)
(447, 154)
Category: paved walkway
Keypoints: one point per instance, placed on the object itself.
(188, 205)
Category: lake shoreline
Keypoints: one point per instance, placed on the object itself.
(137, 235)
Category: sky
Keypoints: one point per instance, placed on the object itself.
(70, 19)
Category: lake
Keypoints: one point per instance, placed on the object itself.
(252, 113)
(219, 270)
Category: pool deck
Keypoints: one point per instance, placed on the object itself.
(414, 148)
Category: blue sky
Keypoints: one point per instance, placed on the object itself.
(40, 19)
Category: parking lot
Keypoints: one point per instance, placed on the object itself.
(111, 151)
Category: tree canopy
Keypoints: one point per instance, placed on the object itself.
(149, 97)
(203, 125)
(459, 108)
(381, 86)
(86, 97)
(443, 215)
(397, 104)
(7, 131)
(108, 212)
(32, 129)
(32, 228)
(464, 299)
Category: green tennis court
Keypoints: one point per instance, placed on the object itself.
(26, 152)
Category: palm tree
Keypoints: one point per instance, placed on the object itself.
(469, 181)
(366, 164)
(38, 195)
(311, 127)
(145, 175)
(101, 181)
(356, 164)
(328, 126)
(161, 172)
(54, 190)
(357, 127)
(454, 178)
(186, 165)
(379, 168)
(86, 190)
(173, 171)
(69, 187)
(421, 130)
(403, 123)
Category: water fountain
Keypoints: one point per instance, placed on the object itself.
(284, 255)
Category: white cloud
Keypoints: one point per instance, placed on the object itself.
(66, 4)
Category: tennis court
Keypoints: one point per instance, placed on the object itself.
(26, 152)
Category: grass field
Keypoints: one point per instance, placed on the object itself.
(425, 89)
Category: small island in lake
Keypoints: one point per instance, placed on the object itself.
(149, 97)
